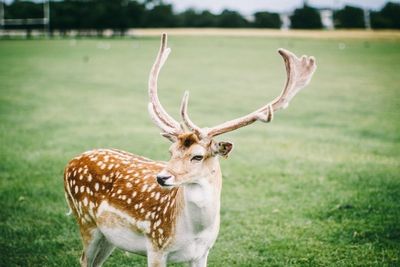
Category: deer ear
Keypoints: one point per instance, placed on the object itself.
(170, 137)
(224, 148)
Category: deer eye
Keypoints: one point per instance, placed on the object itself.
(197, 158)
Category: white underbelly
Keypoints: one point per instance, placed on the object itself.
(125, 239)
(118, 229)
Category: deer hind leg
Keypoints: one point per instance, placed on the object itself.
(105, 249)
(96, 248)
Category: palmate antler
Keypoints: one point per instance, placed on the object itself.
(299, 72)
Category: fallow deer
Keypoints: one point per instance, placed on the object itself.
(168, 211)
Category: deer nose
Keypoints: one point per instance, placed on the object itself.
(161, 179)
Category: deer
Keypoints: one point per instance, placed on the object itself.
(169, 210)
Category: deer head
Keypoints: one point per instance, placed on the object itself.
(194, 152)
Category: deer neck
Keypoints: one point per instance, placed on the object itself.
(202, 201)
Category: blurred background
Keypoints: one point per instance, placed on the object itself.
(120, 17)
(318, 186)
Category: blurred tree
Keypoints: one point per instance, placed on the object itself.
(161, 16)
(61, 16)
(98, 15)
(192, 18)
(23, 10)
(306, 18)
(119, 15)
(188, 18)
(136, 14)
(267, 20)
(388, 17)
(207, 19)
(349, 17)
(114, 15)
(231, 19)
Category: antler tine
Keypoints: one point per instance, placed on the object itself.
(164, 120)
(185, 116)
(299, 73)
(166, 130)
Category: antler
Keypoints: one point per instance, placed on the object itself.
(157, 113)
(299, 72)
(184, 114)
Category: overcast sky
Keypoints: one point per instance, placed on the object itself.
(248, 7)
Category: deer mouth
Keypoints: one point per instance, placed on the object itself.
(164, 180)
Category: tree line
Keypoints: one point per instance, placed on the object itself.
(121, 15)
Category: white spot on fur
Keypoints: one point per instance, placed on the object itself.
(85, 201)
(144, 187)
(151, 187)
(156, 224)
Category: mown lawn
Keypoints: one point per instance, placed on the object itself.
(320, 186)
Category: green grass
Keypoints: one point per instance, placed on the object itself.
(320, 186)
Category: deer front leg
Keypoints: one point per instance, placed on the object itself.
(156, 258)
(201, 262)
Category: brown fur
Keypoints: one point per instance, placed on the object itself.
(128, 183)
(187, 139)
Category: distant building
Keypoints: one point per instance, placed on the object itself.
(327, 18)
(285, 19)
(367, 19)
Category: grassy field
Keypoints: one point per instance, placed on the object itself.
(320, 186)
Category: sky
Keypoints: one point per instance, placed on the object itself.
(248, 7)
